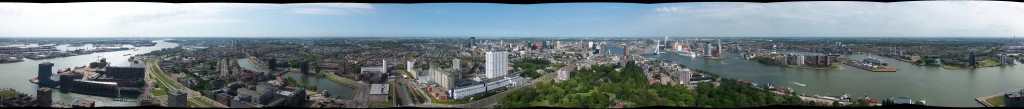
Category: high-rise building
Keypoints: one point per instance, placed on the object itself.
(625, 50)
(177, 98)
(272, 64)
(1014, 99)
(684, 76)
(409, 68)
(558, 45)
(384, 66)
(718, 52)
(304, 67)
(472, 42)
(973, 61)
(800, 60)
(45, 70)
(44, 97)
(441, 76)
(497, 64)
(456, 64)
(707, 49)
(1003, 60)
(591, 46)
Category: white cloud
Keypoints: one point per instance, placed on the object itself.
(922, 18)
(333, 8)
(109, 18)
(139, 18)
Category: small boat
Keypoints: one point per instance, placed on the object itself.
(34, 80)
(127, 54)
(805, 85)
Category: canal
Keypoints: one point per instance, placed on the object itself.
(322, 83)
(937, 86)
(16, 75)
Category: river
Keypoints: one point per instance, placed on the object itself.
(937, 86)
(16, 75)
(334, 88)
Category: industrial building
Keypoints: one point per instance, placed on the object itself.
(125, 73)
(470, 90)
(379, 92)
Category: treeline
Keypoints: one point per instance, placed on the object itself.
(601, 86)
(531, 65)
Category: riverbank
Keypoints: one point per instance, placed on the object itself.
(983, 64)
(868, 68)
(833, 67)
(991, 101)
(767, 61)
(76, 53)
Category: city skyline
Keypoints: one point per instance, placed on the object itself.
(697, 19)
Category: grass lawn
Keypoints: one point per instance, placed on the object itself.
(381, 104)
(988, 63)
(410, 75)
(159, 92)
(995, 101)
(950, 67)
(416, 97)
(207, 104)
(190, 103)
(160, 77)
(7, 93)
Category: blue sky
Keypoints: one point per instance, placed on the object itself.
(702, 19)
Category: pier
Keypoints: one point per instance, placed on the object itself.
(984, 100)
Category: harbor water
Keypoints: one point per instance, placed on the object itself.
(937, 86)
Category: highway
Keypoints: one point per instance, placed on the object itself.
(170, 84)
(402, 92)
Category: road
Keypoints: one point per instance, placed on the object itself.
(171, 84)
(410, 84)
(402, 92)
(422, 93)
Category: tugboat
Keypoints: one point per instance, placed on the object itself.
(868, 99)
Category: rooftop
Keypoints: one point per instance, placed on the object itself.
(378, 89)
(84, 102)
